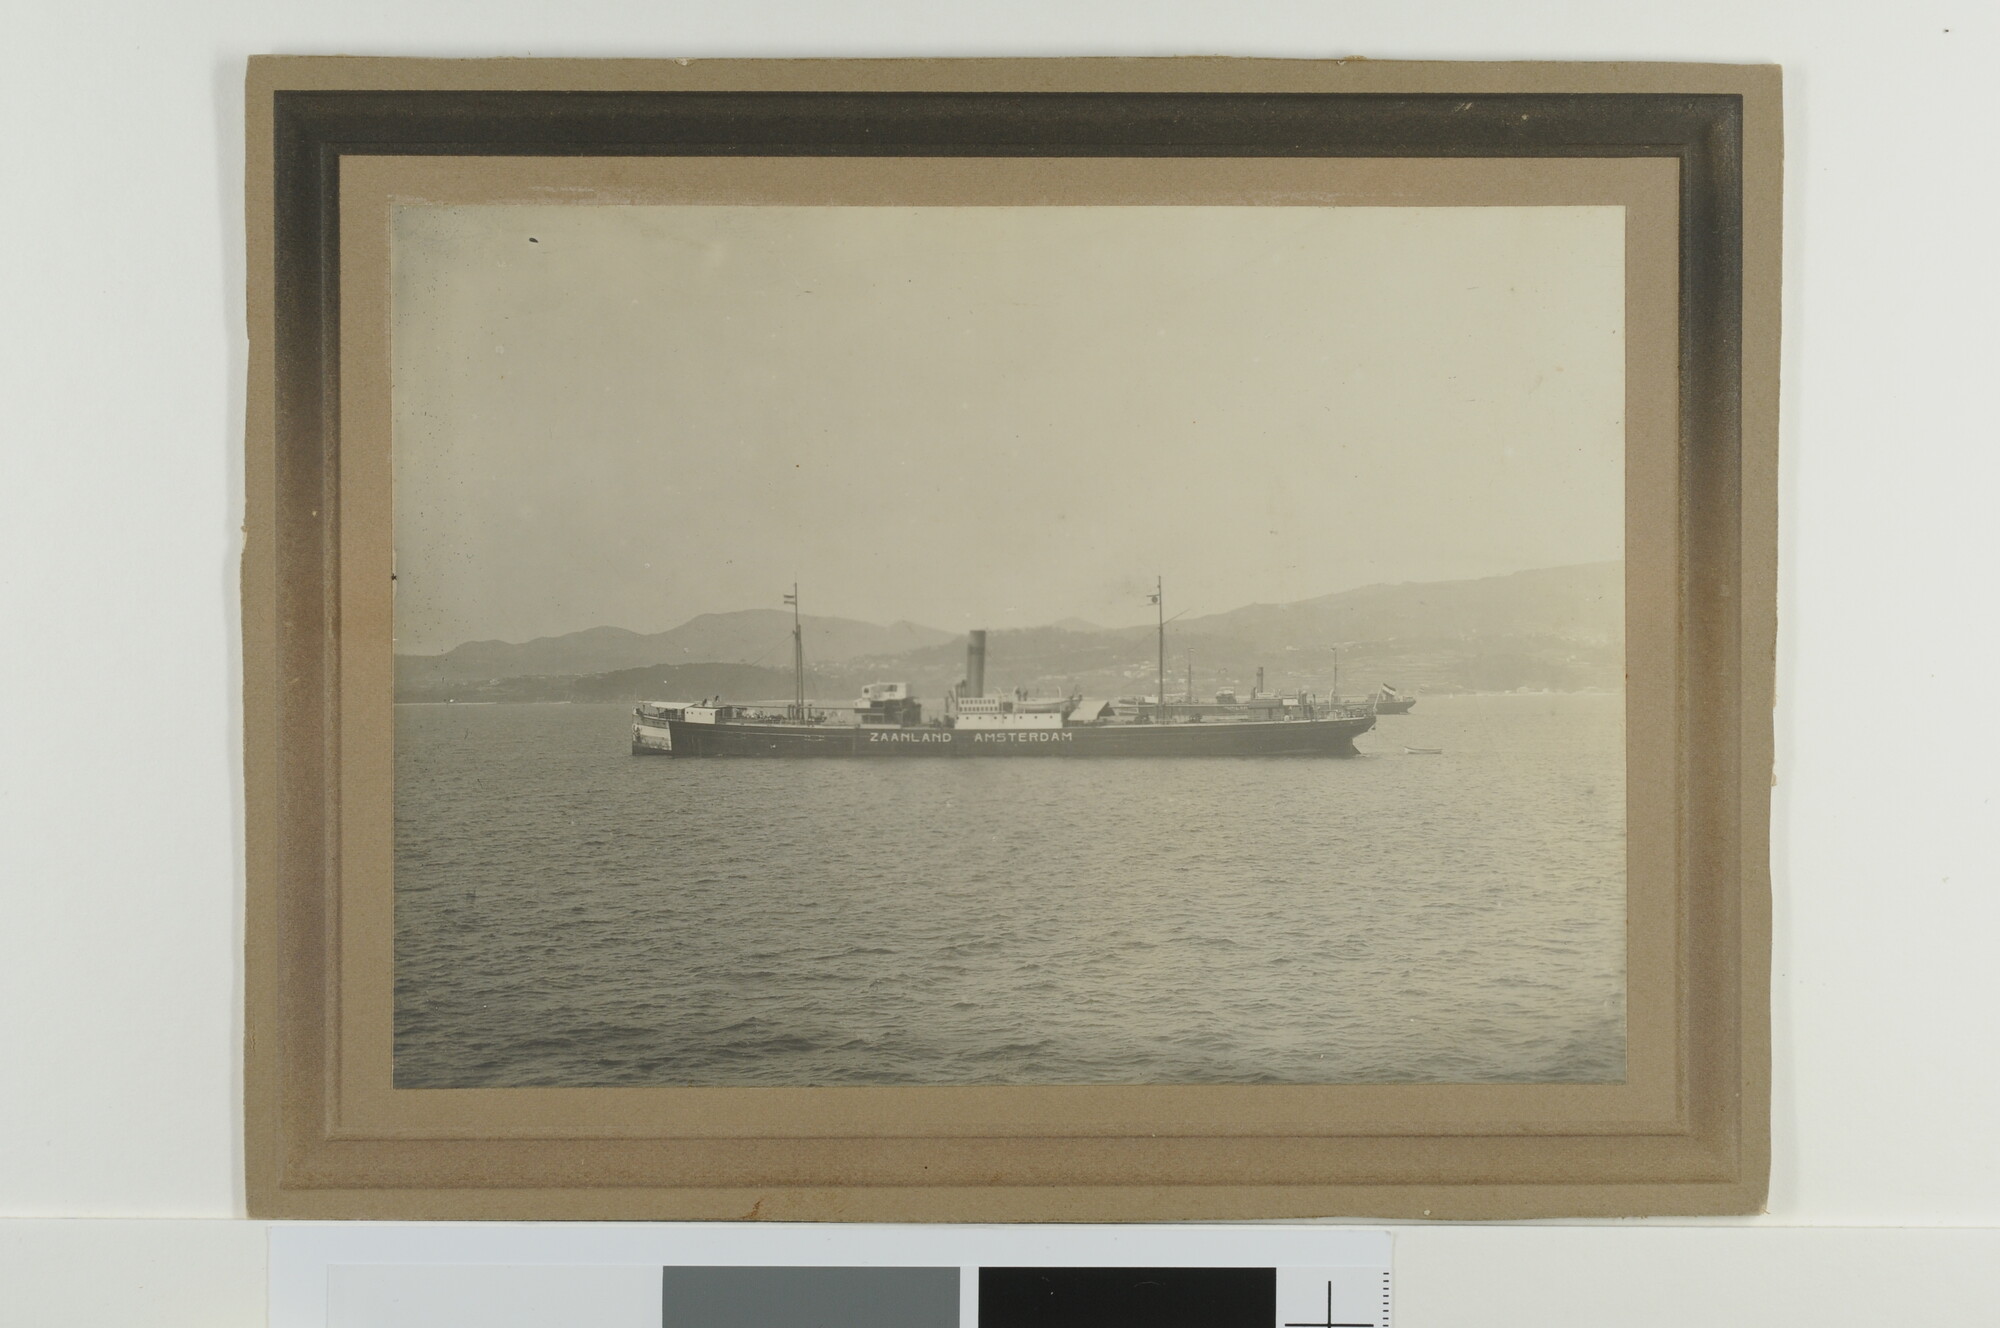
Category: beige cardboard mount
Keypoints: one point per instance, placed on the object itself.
(1691, 152)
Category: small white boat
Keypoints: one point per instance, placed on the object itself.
(1423, 751)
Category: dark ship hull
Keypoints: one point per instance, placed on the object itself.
(1402, 707)
(1295, 737)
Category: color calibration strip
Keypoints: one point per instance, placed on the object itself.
(579, 1277)
(406, 1296)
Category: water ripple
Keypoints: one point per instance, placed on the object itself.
(568, 914)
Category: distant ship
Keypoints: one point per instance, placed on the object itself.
(1388, 701)
(889, 721)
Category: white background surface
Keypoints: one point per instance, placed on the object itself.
(121, 387)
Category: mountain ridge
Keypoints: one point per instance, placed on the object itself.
(743, 636)
(1558, 628)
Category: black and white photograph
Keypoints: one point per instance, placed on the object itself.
(1033, 645)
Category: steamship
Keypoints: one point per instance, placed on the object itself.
(889, 722)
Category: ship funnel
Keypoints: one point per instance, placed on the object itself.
(975, 663)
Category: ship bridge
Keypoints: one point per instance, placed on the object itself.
(888, 703)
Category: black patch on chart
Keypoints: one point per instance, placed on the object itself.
(1127, 1297)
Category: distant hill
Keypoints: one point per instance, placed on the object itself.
(1561, 629)
(1584, 604)
(658, 682)
(749, 636)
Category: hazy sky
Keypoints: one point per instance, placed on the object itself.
(994, 417)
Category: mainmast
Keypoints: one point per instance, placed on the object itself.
(1159, 597)
(798, 656)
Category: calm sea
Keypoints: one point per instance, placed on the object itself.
(569, 914)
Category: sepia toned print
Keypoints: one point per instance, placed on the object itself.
(1314, 515)
(336, 1128)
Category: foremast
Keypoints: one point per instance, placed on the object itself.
(798, 656)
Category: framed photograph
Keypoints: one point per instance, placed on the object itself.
(1009, 640)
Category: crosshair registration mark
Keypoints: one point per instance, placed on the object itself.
(1328, 1321)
